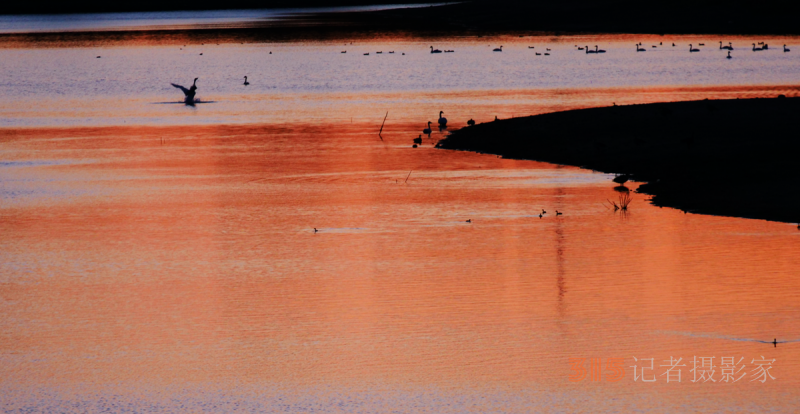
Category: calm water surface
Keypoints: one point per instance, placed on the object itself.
(161, 258)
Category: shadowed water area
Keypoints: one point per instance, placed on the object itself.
(159, 257)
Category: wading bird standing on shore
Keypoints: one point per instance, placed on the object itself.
(189, 100)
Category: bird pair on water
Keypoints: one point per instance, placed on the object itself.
(442, 124)
(192, 90)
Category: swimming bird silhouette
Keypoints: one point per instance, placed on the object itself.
(471, 122)
(639, 49)
(775, 342)
(540, 216)
(785, 49)
(589, 51)
(469, 221)
(442, 120)
(724, 47)
(729, 55)
(756, 49)
(435, 50)
(428, 129)
(245, 81)
(500, 49)
(189, 100)
(315, 230)
(598, 51)
(691, 49)
(544, 212)
(558, 213)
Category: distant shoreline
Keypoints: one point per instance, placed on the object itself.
(143, 6)
(734, 157)
(485, 17)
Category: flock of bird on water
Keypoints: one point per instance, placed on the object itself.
(190, 92)
(442, 121)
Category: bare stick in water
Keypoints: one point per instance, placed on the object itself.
(384, 121)
(409, 175)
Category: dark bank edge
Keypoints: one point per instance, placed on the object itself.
(738, 158)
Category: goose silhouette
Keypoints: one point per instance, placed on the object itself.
(189, 93)
(428, 129)
(442, 120)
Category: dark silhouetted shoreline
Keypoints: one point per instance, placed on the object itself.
(175, 5)
(578, 16)
(489, 17)
(735, 157)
